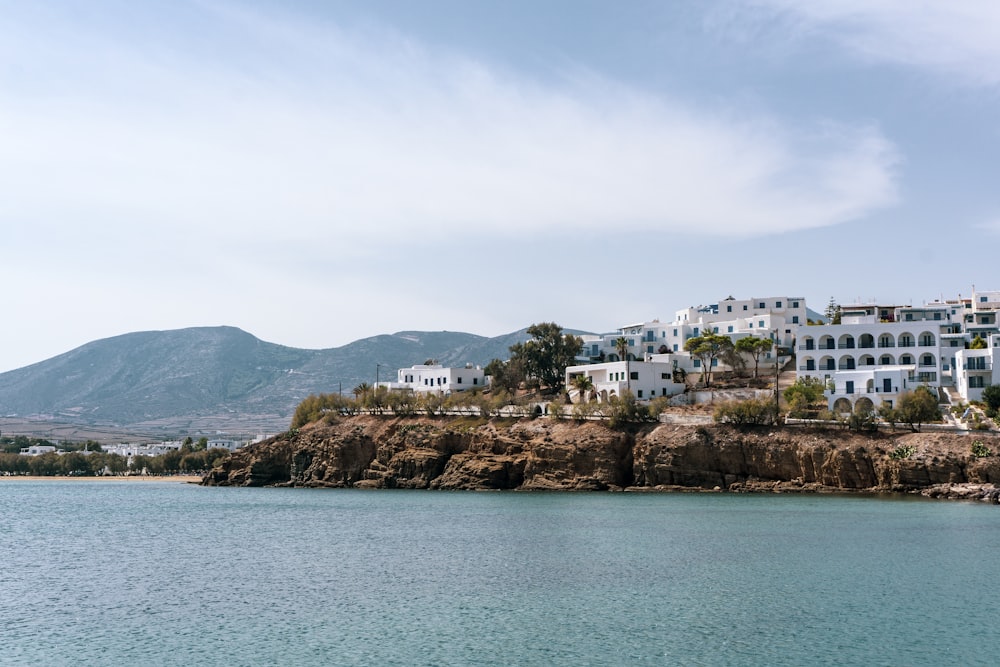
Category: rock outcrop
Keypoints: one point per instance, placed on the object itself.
(541, 454)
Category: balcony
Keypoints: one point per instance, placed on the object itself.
(846, 346)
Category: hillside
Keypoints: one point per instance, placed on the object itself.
(221, 378)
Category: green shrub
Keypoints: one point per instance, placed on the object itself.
(751, 412)
(979, 450)
(903, 452)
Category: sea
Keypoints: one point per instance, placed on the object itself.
(112, 573)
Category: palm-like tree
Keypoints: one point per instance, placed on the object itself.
(583, 384)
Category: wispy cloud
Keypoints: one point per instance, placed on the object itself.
(298, 131)
(957, 38)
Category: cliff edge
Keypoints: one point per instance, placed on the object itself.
(472, 453)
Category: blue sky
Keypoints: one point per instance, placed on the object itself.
(316, 172)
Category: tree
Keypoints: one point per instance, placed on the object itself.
(991, 395)
(833, 312)
(707, 349)
(506, 375)
(732, 358)
(548, 353)
(806, 391)
(978, 343)
(913, 408)
(755, 347)
(583, 384)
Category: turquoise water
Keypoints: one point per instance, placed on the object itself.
(169, 574)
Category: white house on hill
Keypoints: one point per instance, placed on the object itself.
(434, 378)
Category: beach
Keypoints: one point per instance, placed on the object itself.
(177, 479)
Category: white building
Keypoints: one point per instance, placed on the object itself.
(645, 379)
(878, 352)
(776, 317)
(37, 450)
(977, 369)
(438, 379)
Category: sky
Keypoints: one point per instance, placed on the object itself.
(319, 171)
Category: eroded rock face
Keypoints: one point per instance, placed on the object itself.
(421, 453)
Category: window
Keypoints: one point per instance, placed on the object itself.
(696, 331)
(697, 363)
(675, 347)
(729, 329)
(982, 299)
(909, 317)
(937, 316)
(715, 362)
(715, 329)
(744, 306)
(664, 376)
(760, 323)
(795, 319)
(777, 304)
(729, 309)
(795, 304)
(634, 375)
(976, 381)
(459, 379)
(640, 393)
(675, 332)
(760, 305)
(475, 380)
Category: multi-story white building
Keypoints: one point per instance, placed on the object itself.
(434, 378)
(777, 318)
(878, 352)
(977, 369)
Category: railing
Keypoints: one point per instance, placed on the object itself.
(845, 346)
(846, 367)
(886, 343)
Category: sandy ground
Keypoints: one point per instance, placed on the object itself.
(176, 479)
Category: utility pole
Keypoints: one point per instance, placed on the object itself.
(777, 404)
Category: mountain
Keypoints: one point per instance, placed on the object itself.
(217, 377)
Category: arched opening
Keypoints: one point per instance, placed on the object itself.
(886, 360)
(827, 343)
(846, 342)
(808, 343)
(906, 360)
(846, 363)
(906, 339)
(864, 406)
(828, 364)
(866, 360)
(926, 339)
(866, 341)
(808, 364)
(928, 360)
(842, 406)
(886, 340)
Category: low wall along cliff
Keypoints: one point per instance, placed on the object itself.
(473, 453)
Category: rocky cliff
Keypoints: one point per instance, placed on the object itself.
(465, 453)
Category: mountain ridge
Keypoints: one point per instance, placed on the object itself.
(218, 375)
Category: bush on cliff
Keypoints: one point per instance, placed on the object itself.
(751, 412)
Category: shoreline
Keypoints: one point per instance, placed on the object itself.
(177, 479)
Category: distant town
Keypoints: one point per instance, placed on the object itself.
(864, 355)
